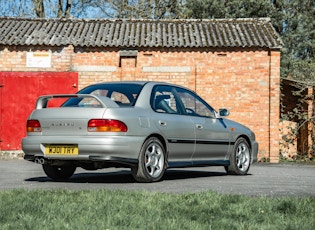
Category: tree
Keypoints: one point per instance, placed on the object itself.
(39, 8)
(49, 8)
(298, 65)
(299, 38)
(64, 10)
(63, 7)
(228, 8)
(145, 9)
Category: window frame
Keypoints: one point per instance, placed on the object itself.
(196, 98)
(181, 110)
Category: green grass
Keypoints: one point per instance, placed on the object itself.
(103, 209)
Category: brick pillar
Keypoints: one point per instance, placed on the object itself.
(274, 99)
(310, 124)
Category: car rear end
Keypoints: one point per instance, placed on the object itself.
(86, 128)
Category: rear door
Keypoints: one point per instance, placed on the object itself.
(178, 129)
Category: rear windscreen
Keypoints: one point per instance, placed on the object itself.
(124, 94)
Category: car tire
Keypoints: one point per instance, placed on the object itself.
(151, 166)
(240, 158)
(59, 173)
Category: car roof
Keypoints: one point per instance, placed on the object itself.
(142, 83)
(122, 82)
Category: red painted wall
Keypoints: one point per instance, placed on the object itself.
(18, 94)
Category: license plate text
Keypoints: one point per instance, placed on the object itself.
(62, 149)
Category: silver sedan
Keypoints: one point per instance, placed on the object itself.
(145, 126)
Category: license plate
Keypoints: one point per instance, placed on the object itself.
(71, 150)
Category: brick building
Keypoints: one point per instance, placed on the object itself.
(232, 63)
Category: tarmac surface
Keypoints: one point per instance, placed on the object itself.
(263, 180)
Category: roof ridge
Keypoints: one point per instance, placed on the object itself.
(264, 19)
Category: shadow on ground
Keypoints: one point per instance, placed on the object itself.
(124, 176)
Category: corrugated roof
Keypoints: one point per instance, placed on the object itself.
(139, 33)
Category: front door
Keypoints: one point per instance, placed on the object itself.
(212, 136)
(212, 139)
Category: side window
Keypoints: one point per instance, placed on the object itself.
(118, 97)
(163, 100)
(91, 102)
(194, 106)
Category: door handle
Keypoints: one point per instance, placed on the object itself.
(199, 126)
(162, 123)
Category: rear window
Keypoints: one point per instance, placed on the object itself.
(124, 94)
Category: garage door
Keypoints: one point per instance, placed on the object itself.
(18, 94)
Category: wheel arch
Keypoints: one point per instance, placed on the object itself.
(164, 143)
(144, 172)
(238, 137)
(247, 139)
(240, 158)
(161, 138)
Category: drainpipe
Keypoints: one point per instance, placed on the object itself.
(196, 78)
(269, 115)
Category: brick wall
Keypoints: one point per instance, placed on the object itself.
(246, 81)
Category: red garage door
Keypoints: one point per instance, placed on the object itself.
(18, 94)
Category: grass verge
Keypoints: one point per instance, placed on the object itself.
(104, 209)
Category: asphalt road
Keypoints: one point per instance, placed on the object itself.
(263, 180)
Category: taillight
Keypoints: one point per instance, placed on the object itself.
(106, 125)
(33, 126)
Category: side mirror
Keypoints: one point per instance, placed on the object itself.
(224, 112)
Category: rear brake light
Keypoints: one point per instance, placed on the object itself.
(106, 125)
(33, 126)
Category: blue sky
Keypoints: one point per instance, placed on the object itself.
(25, 8)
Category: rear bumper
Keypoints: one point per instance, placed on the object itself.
(110, 148)
(109, 159)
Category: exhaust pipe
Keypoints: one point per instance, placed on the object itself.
(40, 160)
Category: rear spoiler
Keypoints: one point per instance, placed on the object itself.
(105, 102)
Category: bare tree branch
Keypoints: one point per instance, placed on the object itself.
(60, 12)
(68, 8)
(39, 8)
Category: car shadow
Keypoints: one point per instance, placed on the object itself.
(181, 174)
(124, 176)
